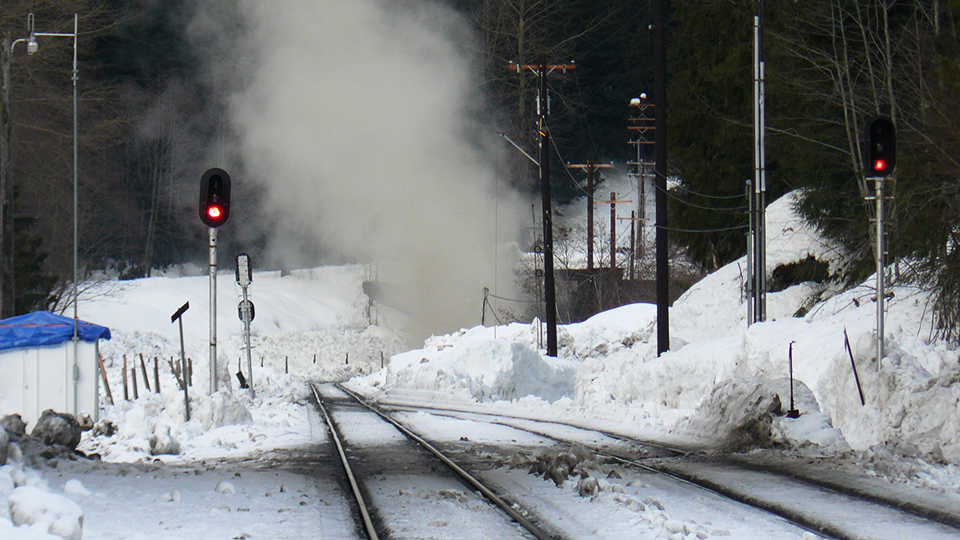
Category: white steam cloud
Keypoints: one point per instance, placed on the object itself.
(358, 117)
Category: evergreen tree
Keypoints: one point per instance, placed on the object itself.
(34, 287)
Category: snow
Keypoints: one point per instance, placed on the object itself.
(719, 379)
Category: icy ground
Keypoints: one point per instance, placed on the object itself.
(719, 376)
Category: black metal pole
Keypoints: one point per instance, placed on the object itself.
(660, 170)
(590, 216)
(549, 287)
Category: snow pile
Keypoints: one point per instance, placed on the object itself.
(45, 512)
(28, 510)
(477, 364)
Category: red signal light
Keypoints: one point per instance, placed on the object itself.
(214, 212)
(879, 165)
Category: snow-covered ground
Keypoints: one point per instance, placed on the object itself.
(719, 376)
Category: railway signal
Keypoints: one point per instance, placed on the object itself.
(881, 154)
(245, 309)
(214, 212)
(214, 197)
(880, 157)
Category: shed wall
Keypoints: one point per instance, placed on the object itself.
(38, 378)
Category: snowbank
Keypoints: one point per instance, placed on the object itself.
(478, 364)
(721, 376)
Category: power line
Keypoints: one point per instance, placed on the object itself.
(510, 299)
(696, 231)
(706, 196)
(677, 198)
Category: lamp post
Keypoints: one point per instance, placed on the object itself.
(32, 47)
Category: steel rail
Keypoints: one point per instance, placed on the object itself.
(470, 479)
(463, 410)
(823, 530)
(931, 514)
(364, 513)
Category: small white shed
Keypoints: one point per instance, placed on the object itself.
(43, 367)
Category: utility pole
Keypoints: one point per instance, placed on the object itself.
(613, 235)
(550, 292)
(758, 286)
(660, 170)
(613, 225)
(633, 219)
(645, 127)
(613, 239)
(633, 241)
(589, 166)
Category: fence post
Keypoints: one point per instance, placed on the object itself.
(106, 383)
(126, 393)
(143, 368)
(133, 372)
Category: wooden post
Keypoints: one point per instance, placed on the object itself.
(346, 361)
(190, 371)
(156, 375)
(286, 364)
(106, 383)
(143, 368)
(133, 372)
(176, 372)
(126, 393)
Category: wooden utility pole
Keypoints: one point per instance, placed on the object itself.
(613, 226)
(644, 126)
(550, 292)
(633, 219)
(589, 166)
(613, 234)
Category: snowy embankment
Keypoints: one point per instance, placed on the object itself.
(310, 325)
(721, 376)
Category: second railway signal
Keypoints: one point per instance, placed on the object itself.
(881, 153)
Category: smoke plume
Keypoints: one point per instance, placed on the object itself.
(359, 118)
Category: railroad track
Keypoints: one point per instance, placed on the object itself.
(556, 518)
(405, 487)
(819, 504)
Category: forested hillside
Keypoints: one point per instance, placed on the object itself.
(152, 118)
(830, 67)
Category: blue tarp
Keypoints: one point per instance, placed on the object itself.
(45, 328)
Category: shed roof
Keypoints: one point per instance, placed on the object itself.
(44, 328)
